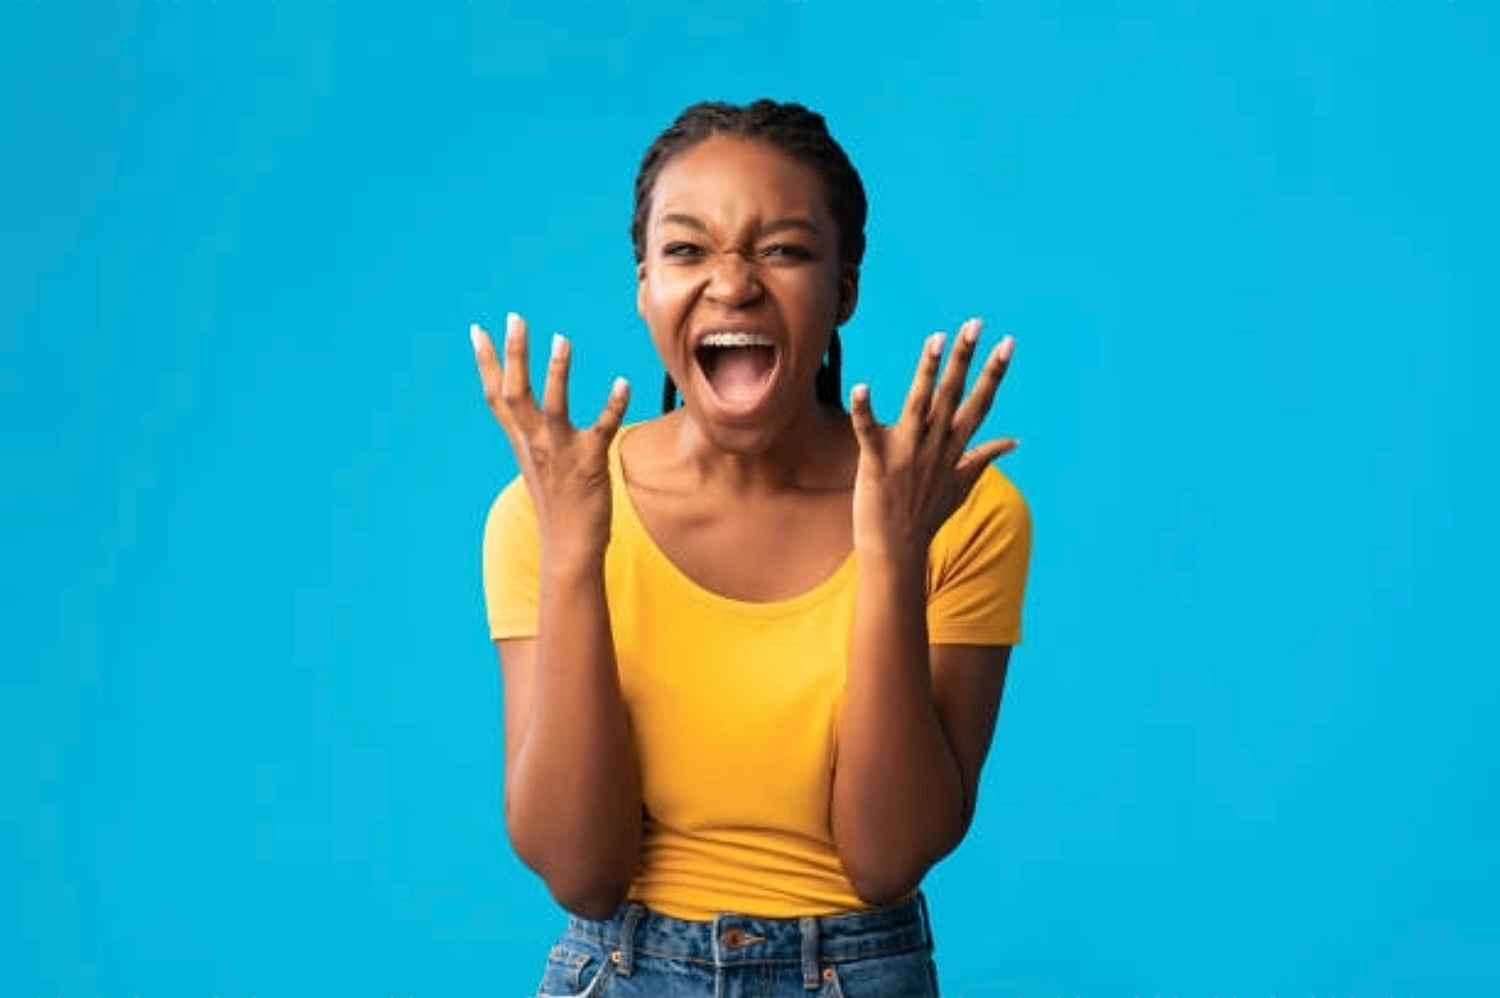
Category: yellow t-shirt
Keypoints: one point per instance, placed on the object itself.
(735, 705)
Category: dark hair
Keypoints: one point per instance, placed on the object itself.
(802, 135)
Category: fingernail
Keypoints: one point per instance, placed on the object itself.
(859, 394)
(559, 345)
(1007, 347)
(619, 388)
(474, 332)
(935, 344)
(971, 331)
(512, 325)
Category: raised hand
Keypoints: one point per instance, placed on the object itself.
(566, 468)
(913, 474)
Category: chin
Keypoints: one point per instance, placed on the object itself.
(746, 433)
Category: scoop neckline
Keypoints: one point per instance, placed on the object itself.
(819, 592)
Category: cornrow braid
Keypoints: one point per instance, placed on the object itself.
(799, 133)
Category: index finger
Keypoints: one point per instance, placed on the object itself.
(919, 396)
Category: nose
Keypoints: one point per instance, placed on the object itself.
(734, 281)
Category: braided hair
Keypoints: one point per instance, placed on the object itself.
(799, 133)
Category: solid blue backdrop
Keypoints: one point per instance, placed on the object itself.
(249, 713)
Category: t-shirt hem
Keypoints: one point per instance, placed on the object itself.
(505, 628)
(751, 907)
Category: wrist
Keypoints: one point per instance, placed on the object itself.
(903, 567)
(570, 563)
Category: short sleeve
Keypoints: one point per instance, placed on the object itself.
(976, 573)
(511, 564)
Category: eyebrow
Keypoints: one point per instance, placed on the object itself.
(770, 228)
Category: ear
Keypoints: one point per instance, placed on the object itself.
(848, 292)
(640, 289)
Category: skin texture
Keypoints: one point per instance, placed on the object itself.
(572, 786)
(757, 500)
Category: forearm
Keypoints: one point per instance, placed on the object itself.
(573, 802)
(898, 794)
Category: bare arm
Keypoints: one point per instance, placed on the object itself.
(917, 719)
(572, 782)
(915, 730)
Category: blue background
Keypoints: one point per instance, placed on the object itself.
(249, 714)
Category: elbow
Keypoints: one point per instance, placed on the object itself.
(591, 883)
(882, 895)
(589, 890)
(590, 900)
(887, 870)
(882, 884)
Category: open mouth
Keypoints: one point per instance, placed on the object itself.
(737, 366)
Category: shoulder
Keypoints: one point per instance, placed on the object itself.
(987, 540)
(996, 489)
(977, 567)
(510, 563)
(994, 506)
(510, 507)
(511, 540)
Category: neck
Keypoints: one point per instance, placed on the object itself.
(813, 452)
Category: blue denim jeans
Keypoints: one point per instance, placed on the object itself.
(637, 953)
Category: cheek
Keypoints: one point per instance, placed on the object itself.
(661, 295)
(819, 299)
(662, 311)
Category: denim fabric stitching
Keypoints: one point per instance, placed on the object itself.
(842, 938)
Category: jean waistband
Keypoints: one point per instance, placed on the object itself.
(729, 940)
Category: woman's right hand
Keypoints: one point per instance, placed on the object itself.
(566, 469)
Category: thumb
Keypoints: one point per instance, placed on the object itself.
(862, 418)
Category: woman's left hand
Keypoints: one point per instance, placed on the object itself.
(913, 474)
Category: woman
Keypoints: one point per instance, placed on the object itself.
(752, 649)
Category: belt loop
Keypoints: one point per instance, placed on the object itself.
(625, 955)
(810, 976)
(926, 917)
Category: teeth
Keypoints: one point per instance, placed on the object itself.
(735, 340)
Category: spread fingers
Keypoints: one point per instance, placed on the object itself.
(969, 415)
(951, 389)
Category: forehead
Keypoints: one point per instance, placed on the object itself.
(727, 179)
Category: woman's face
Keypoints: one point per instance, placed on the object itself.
(742, 286)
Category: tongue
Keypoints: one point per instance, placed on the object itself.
(739, 375)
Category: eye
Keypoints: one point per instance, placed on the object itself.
(681, 250)
(786, 251)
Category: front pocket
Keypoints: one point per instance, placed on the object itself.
(903, 975)
(573, 973)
